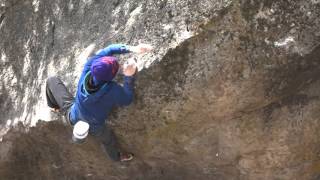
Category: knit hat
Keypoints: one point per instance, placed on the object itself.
(104, 68)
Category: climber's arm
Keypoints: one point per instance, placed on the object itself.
(125, 93)
(122, 49)
(113, 49)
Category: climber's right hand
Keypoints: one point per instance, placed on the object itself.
(130, 67)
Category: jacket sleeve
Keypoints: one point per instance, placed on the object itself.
(125, 93)
(113, 49)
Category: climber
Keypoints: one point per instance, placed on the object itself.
(96, 94)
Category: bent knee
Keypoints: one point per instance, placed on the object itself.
(53, 80)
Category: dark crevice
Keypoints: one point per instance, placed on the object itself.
(2, 18)
(116, 3)
(53, 29)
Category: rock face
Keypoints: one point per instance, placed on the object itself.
(230, 92)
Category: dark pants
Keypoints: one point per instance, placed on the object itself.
(108, 141)
(59, 97)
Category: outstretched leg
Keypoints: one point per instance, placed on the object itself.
(108, 140)
(109, 143)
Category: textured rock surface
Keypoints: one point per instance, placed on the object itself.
(230, 92)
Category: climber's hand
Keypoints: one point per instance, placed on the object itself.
(141, 48)
(130, 67)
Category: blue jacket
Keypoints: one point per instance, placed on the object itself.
(94, 108)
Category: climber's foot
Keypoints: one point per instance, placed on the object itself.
(125, 157)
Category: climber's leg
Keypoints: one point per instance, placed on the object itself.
(58, 96)
(108, 141)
